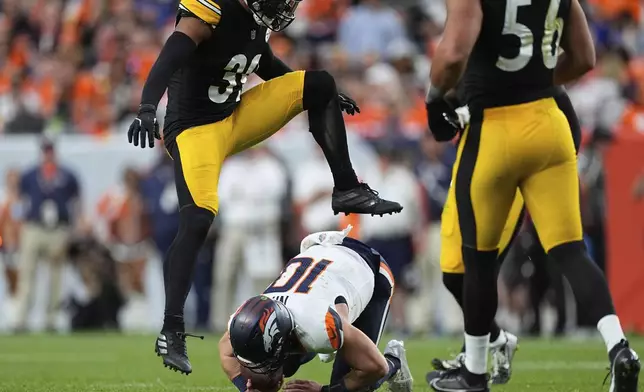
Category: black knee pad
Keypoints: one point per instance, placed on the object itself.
(568, 251)
(195, 221)
(319, 89)
(480, 262)
(585, 278)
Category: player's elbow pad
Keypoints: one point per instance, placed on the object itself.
(176, 51)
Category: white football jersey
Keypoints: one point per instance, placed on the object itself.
(312, 283)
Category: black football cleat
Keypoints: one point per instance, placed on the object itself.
(430, 376)
(171, 346)
(362, 200)
(624, 368)
(457, 380)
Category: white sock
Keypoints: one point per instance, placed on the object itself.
(476, 353)
(500, 340)
(611, 331)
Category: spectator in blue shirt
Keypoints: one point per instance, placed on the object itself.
(50, 196)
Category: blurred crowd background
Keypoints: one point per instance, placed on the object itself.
(71, 73)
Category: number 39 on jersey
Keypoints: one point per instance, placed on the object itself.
(236, 74)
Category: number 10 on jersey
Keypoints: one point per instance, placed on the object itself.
(298, 276)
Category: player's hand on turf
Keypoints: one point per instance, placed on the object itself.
(302, 386)
(144, 127)
(348, 105)
(249, 387)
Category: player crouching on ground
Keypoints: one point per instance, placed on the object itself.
(332, 298)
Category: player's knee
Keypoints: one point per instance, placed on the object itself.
(319, 89)
(195, 221)
(480, 262)
(454, 284)
(568, 251)
(571, 257)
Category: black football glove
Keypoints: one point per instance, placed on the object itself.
(442, 118)
(348, 105)
(144, 126)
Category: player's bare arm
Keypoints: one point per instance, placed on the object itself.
(367, 362)
(229, 363)
(464, 18)
(188, 33)
(579, 49)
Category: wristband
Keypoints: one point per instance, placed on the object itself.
(147, 108)
(240, 383)
(433, 93)
(337, 387)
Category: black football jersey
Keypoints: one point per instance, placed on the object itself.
(516, 52)
(208, 88)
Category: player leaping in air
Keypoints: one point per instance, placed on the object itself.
(204, 64)
(332, 299)
(507, 52)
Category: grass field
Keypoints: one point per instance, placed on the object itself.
(111, 363)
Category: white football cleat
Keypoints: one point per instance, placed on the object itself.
(502, 355)
(402, 381)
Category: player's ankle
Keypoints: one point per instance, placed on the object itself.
(173, 323)
(611, 331)
(346, 181)
(476, 351)
(473, 378)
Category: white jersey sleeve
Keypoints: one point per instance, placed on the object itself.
(320, 332)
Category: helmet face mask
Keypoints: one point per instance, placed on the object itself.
(266, 367)
(274, 14)
(260, 333)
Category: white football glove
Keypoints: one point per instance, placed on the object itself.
(463, 114)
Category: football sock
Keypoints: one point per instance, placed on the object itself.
(194, 223)
(327, 126)
(454, 284)
(394, 366)
(586, 280)
(611, 331)
(476, 348)
(479, 305)
(480, 295)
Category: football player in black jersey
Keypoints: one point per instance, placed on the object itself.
(503, 344)
(204, 64)
(507, 52)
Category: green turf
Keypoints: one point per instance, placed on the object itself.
(127, 363)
